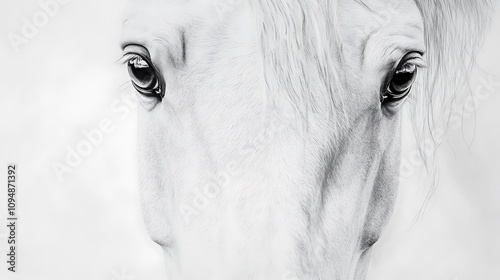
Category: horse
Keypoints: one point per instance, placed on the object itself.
(269, 135)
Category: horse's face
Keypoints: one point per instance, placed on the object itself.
(270, 131)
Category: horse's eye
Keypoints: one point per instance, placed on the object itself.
(402, 79)
(144, 77)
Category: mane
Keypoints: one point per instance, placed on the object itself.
(454, 33)
(293, 39)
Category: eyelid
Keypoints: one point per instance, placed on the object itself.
(133, 51)
(414, 58)
(417, 61)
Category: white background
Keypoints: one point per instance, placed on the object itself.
(65, 80)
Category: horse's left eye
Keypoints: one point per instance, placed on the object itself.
(402, 79)
(144, 77)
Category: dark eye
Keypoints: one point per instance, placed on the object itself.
(144, 77)
(402, 79)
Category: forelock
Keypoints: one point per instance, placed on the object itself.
(296, 39)
(454, 32)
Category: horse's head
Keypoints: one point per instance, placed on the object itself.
(270, 130)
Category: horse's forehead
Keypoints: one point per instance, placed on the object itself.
(177, 12)
(164, 20)
(394, 18)
(383, 12)
(157, 13)
(169, 8)
(148, 20)
(178, 8)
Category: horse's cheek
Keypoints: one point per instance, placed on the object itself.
(383, 194)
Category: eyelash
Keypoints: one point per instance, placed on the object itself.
(128, 57)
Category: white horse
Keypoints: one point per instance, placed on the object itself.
(270, 132)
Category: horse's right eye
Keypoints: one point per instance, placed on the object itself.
(144, 77)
